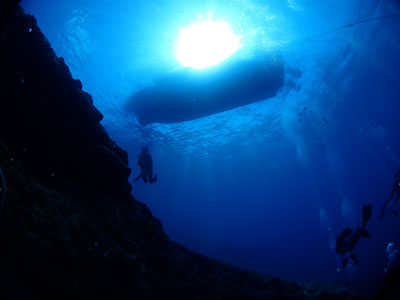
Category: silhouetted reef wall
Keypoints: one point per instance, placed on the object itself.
(69, 227)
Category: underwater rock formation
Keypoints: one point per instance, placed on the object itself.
(6, 8)
(188, 94)
(69, 227)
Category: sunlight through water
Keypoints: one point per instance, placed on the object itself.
(205, 44)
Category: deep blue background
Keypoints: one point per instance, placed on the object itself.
(267, 186)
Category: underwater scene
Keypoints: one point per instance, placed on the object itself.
(261, 133)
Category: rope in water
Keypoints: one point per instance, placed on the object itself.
(353, 24)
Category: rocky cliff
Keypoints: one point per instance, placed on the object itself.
(69, 227)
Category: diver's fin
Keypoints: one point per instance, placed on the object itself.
(366, 214)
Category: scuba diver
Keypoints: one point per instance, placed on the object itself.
(393, 262)
(395, 190)
(347, 239)
(145, 162)
(391, 277)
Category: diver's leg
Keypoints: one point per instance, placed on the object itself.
(392, 208)
(137, 178)
(385, 204)
(353, 258)
(144, 177)
(345, 261)
(152, 179)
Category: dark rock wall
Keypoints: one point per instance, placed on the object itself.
(50, 124)
(69, 228)
(6, 8)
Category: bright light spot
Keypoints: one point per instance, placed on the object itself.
(205, 44)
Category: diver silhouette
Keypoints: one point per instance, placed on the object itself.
(395, 190)
(393, 258)
(347, 239)
(145, 162)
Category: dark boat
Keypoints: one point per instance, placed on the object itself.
(188, 94)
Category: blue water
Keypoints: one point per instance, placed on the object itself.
(270, 185)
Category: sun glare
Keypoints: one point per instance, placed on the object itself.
(205, 44)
